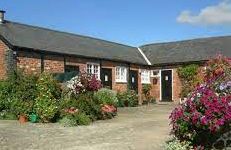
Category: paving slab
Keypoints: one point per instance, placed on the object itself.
(140, 128)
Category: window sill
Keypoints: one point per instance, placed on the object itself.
(145, 82)
(121, 81)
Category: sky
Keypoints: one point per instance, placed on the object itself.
(131, 22)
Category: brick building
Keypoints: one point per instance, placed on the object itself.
(120, 67)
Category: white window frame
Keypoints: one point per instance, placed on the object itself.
(145, 76)
(119, 75)
(91, 70)
(152, 73)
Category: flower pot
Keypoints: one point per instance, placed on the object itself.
(33, 118)
(23, 119)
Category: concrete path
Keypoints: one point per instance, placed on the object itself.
(142, 128)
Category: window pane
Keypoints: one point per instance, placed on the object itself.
(145, 76)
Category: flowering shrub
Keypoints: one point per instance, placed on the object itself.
(72, 117)
(127, 99)
(206, 114)
(188, 78)
(106, 96)
(108, 111)
(71, 110)
(46, 105)
(175, 144)
(84, 83)
(146, 89)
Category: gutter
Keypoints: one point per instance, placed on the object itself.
(144, 56)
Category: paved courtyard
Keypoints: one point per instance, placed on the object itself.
(142, 128)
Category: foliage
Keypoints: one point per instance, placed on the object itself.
(85, 102)
(46, 103)
(146, 91)
(84, 83)
(89, 105)
(4, 96)
(215, 67)
(127, 99)
(206, 114)
(20, 107)
(188, 72)
(82, 119)
(188, 76)
(175, 144)
(152, 100)
(73, 117)
(106, 96)
(17, 93)
(67, 122)
(5, 115)
(108, 111)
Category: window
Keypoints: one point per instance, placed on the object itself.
(145, 76)
(71, 68)
(93, 69)
(121, 74)
(155, 73)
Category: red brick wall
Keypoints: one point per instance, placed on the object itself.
(81, 62)
(29, 62)
(119, 87)
(3, 68)
(176, 84)
(53, 64)
(155, 91)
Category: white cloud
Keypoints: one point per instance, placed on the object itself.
(212, 15)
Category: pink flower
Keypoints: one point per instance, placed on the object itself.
(108, 109)
(204, 120)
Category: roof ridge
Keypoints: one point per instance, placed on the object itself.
(69, 33)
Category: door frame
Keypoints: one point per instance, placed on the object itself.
(101, 73)
(161, 83)
(130, 80)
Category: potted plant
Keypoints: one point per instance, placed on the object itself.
(33, 118)
(146, 89)
(23, 118)
(21, 108)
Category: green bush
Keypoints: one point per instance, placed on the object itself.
(74, 119)
(127, 99)
(188, 72)
(82, 119)
(87, 104)
(68, 122)
(20, 107)
(106, 96)
(18, 90)
(4, 96)
(188, 75)
(46, 105)
(4, 115)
